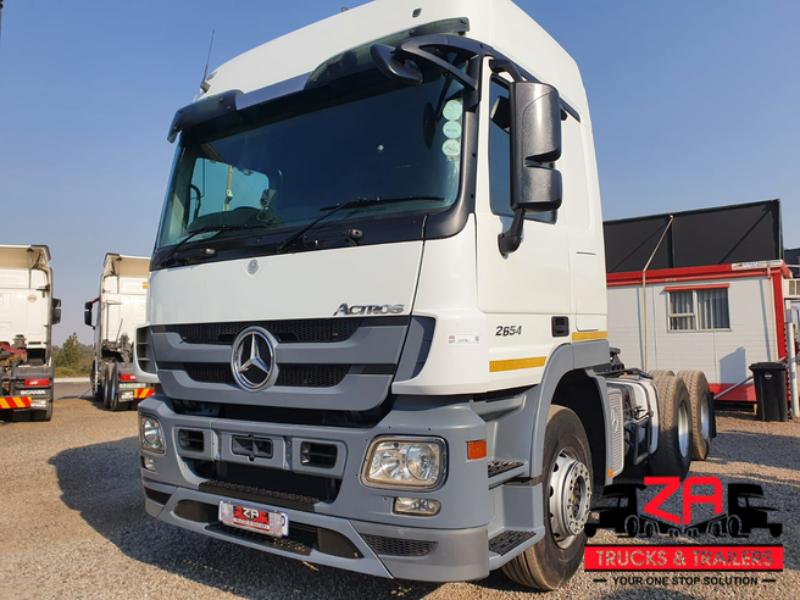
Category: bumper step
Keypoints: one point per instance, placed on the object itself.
(505, 542)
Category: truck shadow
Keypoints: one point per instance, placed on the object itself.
(101, 482)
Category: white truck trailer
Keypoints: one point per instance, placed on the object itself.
(121, 308)
(28, 312)
(378, 305)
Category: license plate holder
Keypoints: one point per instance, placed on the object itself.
(269, 522)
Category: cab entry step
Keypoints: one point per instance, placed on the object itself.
(504, 542)
(497, 466)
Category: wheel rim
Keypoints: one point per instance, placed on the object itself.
(570, 497)
(705, 418)
(683, 430)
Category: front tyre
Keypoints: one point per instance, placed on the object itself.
(567, 494)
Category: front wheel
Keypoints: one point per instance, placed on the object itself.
(97, 385)
(567, 494)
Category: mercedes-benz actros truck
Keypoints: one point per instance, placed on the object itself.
(28, 312)
(120, 311)
(378, 307)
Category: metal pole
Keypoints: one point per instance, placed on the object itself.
(644, 289)
(791, 362)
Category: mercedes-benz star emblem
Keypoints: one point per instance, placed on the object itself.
(253, 359)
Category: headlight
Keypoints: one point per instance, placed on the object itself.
(404, 462)
(151, 436)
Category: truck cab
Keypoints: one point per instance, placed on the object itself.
(28, 312)
(115, 315)
(377, 299)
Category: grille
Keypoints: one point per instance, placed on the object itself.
(398, 547)
(253, 482)
(143, 351)
(286, 332)
(288, 375)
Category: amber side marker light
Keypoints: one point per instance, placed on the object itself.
(476, 449)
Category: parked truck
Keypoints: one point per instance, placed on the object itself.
(121, 308)
(28, 312)
(378, 306)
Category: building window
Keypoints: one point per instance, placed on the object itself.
(699, 310)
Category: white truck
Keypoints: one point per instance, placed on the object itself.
(28, 312)
(378, 305)
(121, 308)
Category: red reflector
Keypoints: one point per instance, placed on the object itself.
(36, 382)
(127, 377)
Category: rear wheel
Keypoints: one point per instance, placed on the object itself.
(113, 384)
(702, 412)
(43, 415)
(567, 491)
(661, 373)
(674, 453)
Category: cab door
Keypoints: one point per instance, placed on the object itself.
(521, 293)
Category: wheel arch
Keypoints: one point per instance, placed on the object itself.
(569, 381)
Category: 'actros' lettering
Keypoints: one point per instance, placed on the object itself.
(369, 309)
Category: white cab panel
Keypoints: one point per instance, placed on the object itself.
(305, 285)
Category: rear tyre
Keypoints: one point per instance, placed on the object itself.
(674, 453)
(43, 415)
(567, 491)
(661, 373)
(113, 384)
(702, 412)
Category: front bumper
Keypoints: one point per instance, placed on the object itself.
(422, 554)
(355, 528)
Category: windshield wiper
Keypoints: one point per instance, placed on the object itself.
(355, 203)
(218, 229)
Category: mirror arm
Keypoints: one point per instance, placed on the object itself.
(503, 65)
(509, 241)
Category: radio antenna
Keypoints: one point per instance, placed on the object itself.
(203, 85)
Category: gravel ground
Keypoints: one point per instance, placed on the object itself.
(72, 524)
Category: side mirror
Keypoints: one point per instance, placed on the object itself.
(87, 314)
(536, 186)
(56, 308)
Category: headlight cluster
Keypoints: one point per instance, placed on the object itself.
(405, 462)
(151, 436)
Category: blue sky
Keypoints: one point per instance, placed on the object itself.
(694, 104)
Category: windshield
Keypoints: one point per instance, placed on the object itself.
(279, 173)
